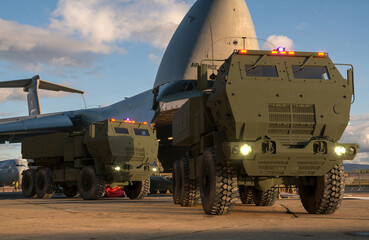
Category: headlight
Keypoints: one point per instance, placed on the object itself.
(246, 149)
(340, 150)
(352, 151)
(236, 149)
(117, 168)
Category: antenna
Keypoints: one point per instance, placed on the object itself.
(244, 42)
(84, 100)
(212, 46)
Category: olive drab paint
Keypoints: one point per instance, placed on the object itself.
(290, 108)
(121, 151)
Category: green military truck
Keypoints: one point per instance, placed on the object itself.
(271, 118)
(110, 152)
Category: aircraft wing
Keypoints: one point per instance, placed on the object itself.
(138, 108)
(13, 129)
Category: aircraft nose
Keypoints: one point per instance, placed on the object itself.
(18, 172)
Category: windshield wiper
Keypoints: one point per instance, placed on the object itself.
(304, 64)
(256, 63)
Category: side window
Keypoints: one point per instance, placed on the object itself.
(141, 132)
(261, 71)
(121, 130)
(311, 72)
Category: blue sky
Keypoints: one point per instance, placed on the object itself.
(112, 49)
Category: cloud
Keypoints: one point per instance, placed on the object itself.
(38, 46)
(301, 26)
(79, 31)
(358, 132)
(9, 94)
(275, 41)
(154, 58)
(17, 94)
(110, 21)
(361, 158)
(10, 151)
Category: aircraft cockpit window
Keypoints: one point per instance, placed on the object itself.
(186, 87)
(311, 72)
(261, 71)
(141, 132)
(121, 130)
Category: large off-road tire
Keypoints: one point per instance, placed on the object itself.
(218, 185)
(70, 192)
(45, 187)
(325, 196)
(29, 183)
(176, 182)
(189, 193)
(246, 194)
(265, 198)
(138, 189)
(90, 185)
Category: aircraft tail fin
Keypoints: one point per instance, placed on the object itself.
(31, 86)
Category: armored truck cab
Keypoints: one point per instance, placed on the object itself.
(271, 118)
(112, 152)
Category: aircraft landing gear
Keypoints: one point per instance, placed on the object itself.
(70, 192)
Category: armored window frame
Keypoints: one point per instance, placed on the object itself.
(311, 72)
(141, 132)
(268, 71)
(120, 130)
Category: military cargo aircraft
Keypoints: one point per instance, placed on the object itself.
(11, 171)
(212, 29)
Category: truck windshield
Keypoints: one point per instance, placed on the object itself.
(311, 72)
(141, 132)
(121, 130)
(261, 71)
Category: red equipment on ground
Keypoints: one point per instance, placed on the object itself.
(113, 192)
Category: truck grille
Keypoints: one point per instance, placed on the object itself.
(289, 166)
(135, 154)
(291, 124)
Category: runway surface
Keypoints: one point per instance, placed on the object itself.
(156, 217)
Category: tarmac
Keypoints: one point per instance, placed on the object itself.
(156, 217)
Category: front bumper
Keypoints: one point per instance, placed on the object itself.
(118, 173)
(268, 158)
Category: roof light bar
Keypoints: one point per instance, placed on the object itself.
(242, 51)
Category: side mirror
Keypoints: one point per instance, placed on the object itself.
(350, 76)
(350, 80)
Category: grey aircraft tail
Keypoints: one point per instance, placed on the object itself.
(31, 86)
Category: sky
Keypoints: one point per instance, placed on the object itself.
(111, 49)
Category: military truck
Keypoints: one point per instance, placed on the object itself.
(110, 152)
(270, 118)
